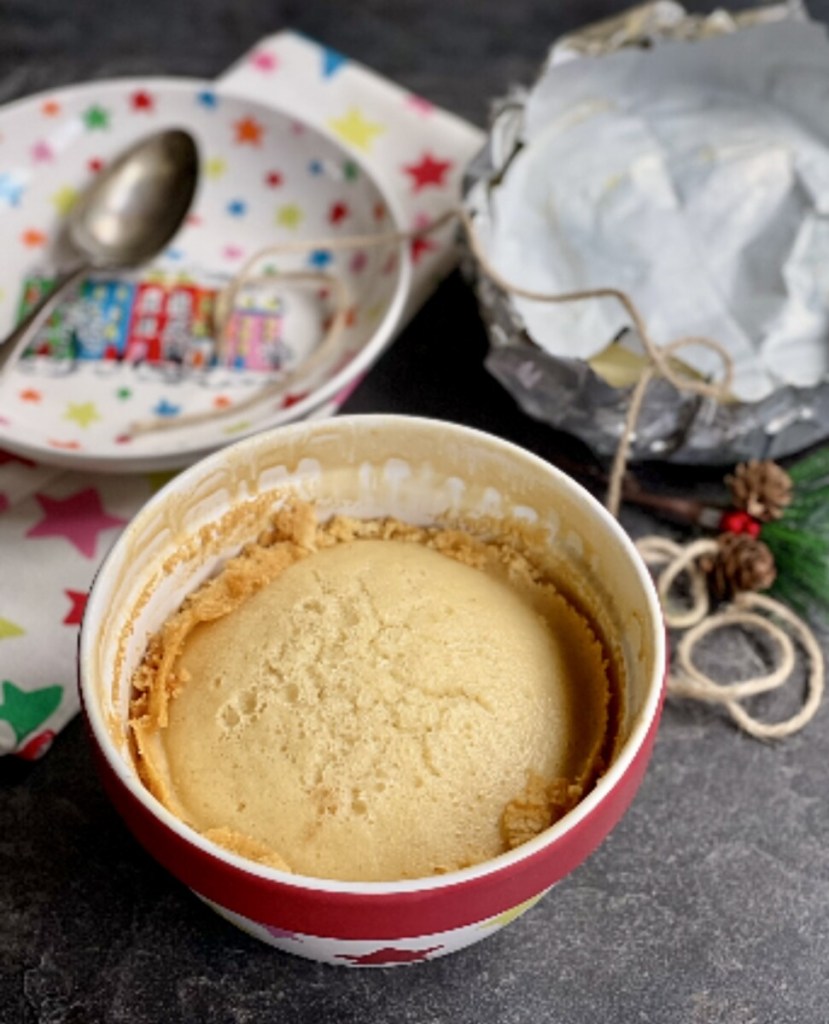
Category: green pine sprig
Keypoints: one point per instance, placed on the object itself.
(799, 540)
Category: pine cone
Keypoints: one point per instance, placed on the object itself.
(762, 488)
(742, 563)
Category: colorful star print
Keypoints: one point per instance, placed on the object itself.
(75, 614)
(289, 216)
(51, 108)
(208, 99)
(264, 61)
(428, 171)
(316, 167)
(30, 395)
(320, 258)
(82, 413)
(248, 131)
(42, 152)
(358, 263)
(123, 394)
(166, 408)
(9, 629)
(96, 118)
(26, 711)
(233, 252)
(420, 246)
(79, 519)
(331, 62)
(421, 105)
(33, 239)
(351, 172)
(237, 208)
(10, 189)
(273, 179)
(95, 165)
(337, 213)
(237, 428)
(37, 746)
(294, 399)
(142, 100)
(64, 199)
(215, 167)
(389, 955)
(373, 313)
(353, 127)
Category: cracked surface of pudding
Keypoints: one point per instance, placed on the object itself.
(369, 700)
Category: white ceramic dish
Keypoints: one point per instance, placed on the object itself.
(265, 178)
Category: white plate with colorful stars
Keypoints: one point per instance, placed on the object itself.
(141, 348)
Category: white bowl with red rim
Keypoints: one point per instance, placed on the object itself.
(417, 470)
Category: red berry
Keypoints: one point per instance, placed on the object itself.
(738, 521)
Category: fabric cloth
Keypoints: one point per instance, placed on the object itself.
(55, 526)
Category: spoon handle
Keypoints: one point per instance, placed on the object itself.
(14, 344)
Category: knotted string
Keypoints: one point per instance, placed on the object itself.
(686, 679)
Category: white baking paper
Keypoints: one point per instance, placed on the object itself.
(695, 176)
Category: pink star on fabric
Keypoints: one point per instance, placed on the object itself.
(233, 252)
(420, 104)
(78, 519)
(42, 152)
(264, 61)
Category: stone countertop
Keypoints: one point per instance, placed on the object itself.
(709, 902)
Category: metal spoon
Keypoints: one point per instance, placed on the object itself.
(125, 217)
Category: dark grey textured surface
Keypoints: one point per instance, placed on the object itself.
(709, 903)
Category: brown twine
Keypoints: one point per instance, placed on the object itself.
(686, 679)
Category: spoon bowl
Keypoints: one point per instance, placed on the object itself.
(136, 206)
(126, 216)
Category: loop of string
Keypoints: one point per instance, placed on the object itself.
(687, 679)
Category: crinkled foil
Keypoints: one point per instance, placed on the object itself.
(568, 394)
